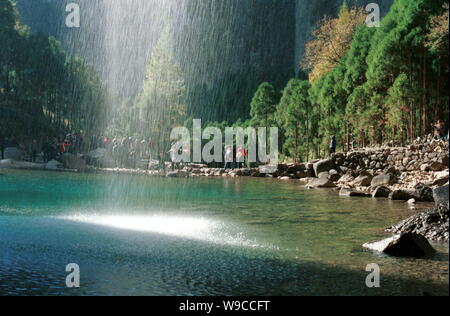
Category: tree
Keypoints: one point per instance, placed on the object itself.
(401, 99)
(263, 105)
(331, 41)
(293, 114)
(162, 102)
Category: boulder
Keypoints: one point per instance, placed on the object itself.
(71, 161)
(363, 181)
(177, 174)
(53, 165)
(383, 179)
(346, 178)
(420, 194)
(324, 165)
(403, 245)
(381, 192)
(321, 183)
(6, 163)
(423, 193)
(401, 195)
(440, 195)
(433, 224)
(13, 153)
(324, 174)
(437, 166)
(334, 175)
(268, 169)
(353, 193)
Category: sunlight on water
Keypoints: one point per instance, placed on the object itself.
(179, 226)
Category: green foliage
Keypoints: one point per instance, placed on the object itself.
(263, 105)
(293, 114)
(43, 91)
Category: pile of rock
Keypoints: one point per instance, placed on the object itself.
(433, 224)
(420, 156)
(412, 234)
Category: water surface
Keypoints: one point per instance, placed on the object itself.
(134, 235)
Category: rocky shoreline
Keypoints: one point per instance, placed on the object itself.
(413, 174)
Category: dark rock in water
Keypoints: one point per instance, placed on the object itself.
(324, 165)
(353, 193)
(363, 181)
(420, 194)
(383, 179)
(433, 224)
(424, 193)
(403, 245)
(401, 195)
(321, 183)
(381, 192)
(440, 195)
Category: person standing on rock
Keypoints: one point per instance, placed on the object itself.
(439, 129)
(333, 145)
(229, 157)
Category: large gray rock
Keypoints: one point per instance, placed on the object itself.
(440, 195)
(346, 179)
(321, 183)
(324, 165)
(71, 161)
(401, 195)
(381, 192)
(383, 179)
(334, 175)
(420, 194)
(403, 245)
(53, 165)
(6, 163)
(324, 174)
(363, 181)
(433, 224)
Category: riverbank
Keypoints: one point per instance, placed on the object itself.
(399, 173)
(412, 174)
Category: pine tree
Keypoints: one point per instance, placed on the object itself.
(263, 105)
(162, 102)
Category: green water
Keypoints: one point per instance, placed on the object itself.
(134, 235)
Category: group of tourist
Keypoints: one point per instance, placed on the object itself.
(131, 152)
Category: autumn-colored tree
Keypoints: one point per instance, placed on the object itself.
(331, 41)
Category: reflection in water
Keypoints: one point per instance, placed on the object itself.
(194, 228)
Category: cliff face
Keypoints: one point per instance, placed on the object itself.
(226, 48)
